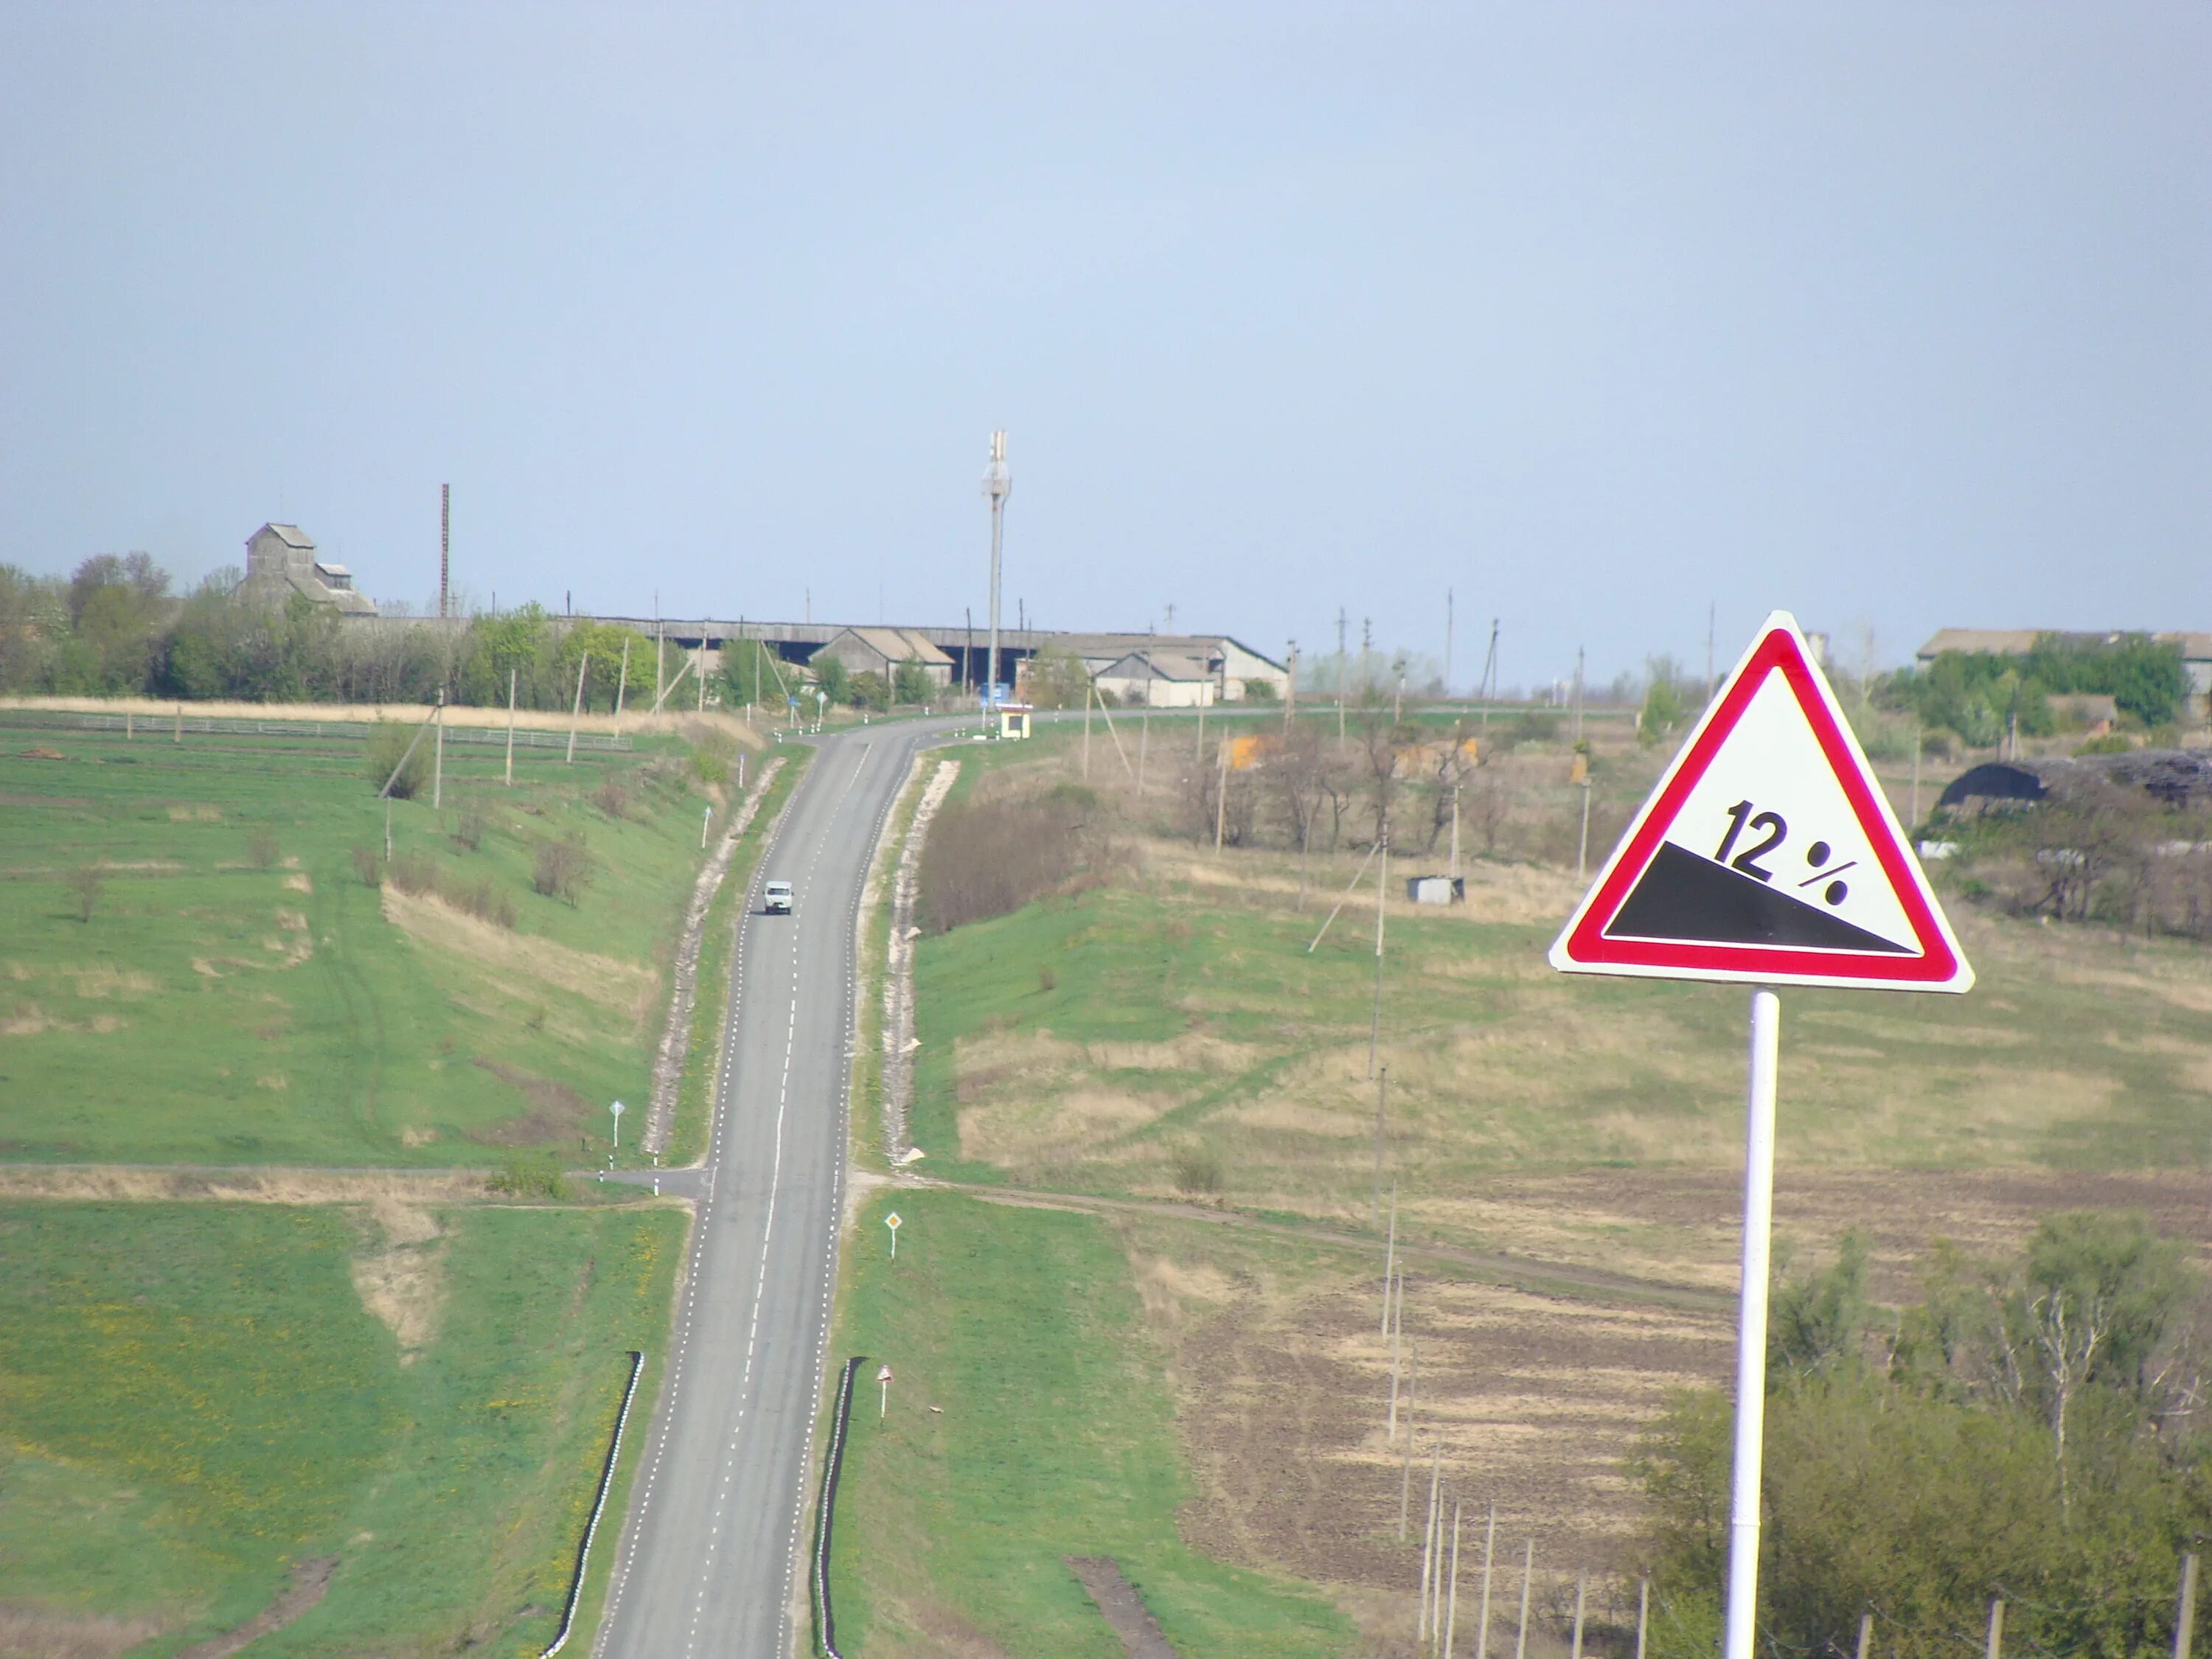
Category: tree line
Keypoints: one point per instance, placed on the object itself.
(2028, 1429)
(114, 626)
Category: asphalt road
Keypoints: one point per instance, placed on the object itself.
(711, 1561)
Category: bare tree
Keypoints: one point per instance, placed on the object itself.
(86, 882)
(1449, 769)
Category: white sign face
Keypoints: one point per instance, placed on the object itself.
(1767, 853)
(1770, 807)
(616, 1108)
(885, 1375)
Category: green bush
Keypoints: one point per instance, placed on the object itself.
(388, 742)
(533, 1175)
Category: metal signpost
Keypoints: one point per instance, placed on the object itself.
(1767, 855)
(891, 1221)
(883, 1409)
(618, 1110)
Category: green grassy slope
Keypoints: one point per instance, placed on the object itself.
(195, 1396)
(1055, 1436)
(1179, 1015)
(212, 1011)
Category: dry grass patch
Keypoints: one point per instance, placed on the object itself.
(27, 1634)
(623, 986)
(1026, 1129)
(124, 984)
(402, 1283)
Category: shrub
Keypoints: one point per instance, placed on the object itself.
(988, 857)
(612, 797)
(532, 1175)
(365, 865)
(261, 848)
(1197, 1168)
(86, 882)
(562, 869)
(1046, 979)
(468, 828)
(388, 742)
(418, 872)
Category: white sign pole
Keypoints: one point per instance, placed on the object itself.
(618, 1110)
(1751, 1331)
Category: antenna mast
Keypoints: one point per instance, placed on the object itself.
(998, 485)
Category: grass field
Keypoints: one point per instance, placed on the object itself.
(1165, 1037)
(198, 1396)
(1186, 1027)
(239, 994)
(1026, 1425)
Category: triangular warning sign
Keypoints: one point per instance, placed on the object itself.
(1767, 853)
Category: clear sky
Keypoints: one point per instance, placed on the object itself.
(1899, 316)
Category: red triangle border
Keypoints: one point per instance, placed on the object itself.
(1587, 946)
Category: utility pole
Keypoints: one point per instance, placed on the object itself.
(577, 713)
(445, 548)
(998, 485)
(1375, 1202)
(1490, 673)
(1366, 645)
(438, 765)
(1339, 673)
(1578, 694)
(1382, 882)
(1290, 691)
(622, 685)
(510, 728)
(1448, 641)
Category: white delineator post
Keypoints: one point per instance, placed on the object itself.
(1750, 1325)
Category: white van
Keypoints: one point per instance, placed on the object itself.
(777, 900)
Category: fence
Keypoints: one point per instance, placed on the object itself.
(599, 1504)
(176, 725)
(825, 1625)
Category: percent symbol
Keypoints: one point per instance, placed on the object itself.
(1817, 854)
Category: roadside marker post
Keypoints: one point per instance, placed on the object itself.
(1767, 855)
(618, 1110)
(884, 1408)
(891, 1221)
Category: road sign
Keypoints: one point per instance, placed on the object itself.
(883, 1377)
(1768, 853)
(891, 1221)
(618, 1110)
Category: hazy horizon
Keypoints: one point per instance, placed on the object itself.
(1895, 318)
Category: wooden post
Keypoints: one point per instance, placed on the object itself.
(1527, 1573)
(1405, 1487)
(1427, 1565)
(699, 672)
(1582, 1595)
(510, 728)
(577, 713)
(621, 686)
(1482, 1619)
(1866, 1634)
(1221, 799)
(1451, 1597)
(179, 736)
(1390, 1257)
(1994, 1649)
(1382, 1092)
(1642, 1614)
(1397, 1346)
(127, 719)
(1143, 740)
(2185, 1622)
